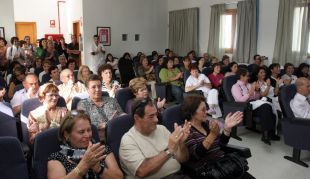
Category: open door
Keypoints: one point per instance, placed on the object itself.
(76, 32)
(26, 28)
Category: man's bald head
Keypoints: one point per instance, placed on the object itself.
(303, 86)
(31, 80)
(66, 75)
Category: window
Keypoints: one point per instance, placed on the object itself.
(298, 24)
(229, 27)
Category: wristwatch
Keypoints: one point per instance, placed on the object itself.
(169, 154)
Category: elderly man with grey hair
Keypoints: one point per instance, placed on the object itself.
(300, 104)
(69, 88)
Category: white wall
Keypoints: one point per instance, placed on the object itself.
(7, 18)
(42, 11)
(268, 11)
(145, 17)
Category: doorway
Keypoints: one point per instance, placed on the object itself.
(26, 28)
(76, 32)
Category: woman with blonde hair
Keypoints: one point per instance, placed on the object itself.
(138, 87)
(48, 115)
(83, 74)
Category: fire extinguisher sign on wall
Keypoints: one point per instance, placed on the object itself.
(52, 23)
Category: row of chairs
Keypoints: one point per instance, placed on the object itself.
(47, 143)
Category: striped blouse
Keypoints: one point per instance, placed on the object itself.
(196, 149)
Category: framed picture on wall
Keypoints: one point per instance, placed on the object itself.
(2, 34)
(104, 34)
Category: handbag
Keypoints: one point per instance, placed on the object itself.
(230, 166)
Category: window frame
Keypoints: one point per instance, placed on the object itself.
(232, 12)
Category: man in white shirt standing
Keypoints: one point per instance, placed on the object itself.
(97, 52)
(4, 106)
(31, 87)
(300, 104)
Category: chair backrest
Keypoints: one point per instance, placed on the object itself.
(172, 115)
(228, 82)
(122, 96)
(207, 71)
(287, 93)
(45, 144)
(115, 130)
(75, 102)
(13, 164)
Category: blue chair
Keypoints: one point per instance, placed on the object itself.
(115, 130)
(172, 115)
(122, 96)
(75, 102)
(13, 164)
(46, 143)
(294, 129)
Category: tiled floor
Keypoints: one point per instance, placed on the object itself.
(267, 162)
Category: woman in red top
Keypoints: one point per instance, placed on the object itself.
(216, 77)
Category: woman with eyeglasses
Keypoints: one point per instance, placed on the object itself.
(78, 156)
(140, 91)
(48, 115)
(243, 91)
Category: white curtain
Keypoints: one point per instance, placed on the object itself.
(246, 39)
(183, 30)
(293, 28)
(216, 32)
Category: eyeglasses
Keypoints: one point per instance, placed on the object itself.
(142, 104)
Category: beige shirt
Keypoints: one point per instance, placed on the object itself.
(135, 147)
(68, 92)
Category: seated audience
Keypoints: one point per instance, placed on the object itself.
(83, 74)
(258, 62)
(233, 68)
(48, 115)
(147, 71)
(31, 87)
(242, 91)
(100, 108)
(78, 156)
(200, 82)
(139, 89)
(149, 150)
(71, 64)
(214, 60)
(62, 62)
(69, 88)
(36, 66)
(225, 64)
(173, 76)
(114, 63)
(18, 77)
(205, 139)
(3, 60)
(42, 46)
(54, 74)
(288, 77)
(5, 107)
(46, 67)
(303, 70)
(192, 56)
(201, 64)
(15, 52)
(108, 84)
(216, 77)
(185, 69)
(126, 69)
(50, 53)
(275, 79)
(300, 104)
(266, 90)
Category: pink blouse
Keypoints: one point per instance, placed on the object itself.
(240, 92)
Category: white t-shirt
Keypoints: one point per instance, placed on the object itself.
(135, 148)
(300, 106)
(192, 81)
(19, 97)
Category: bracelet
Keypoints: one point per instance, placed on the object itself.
(78, 171)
